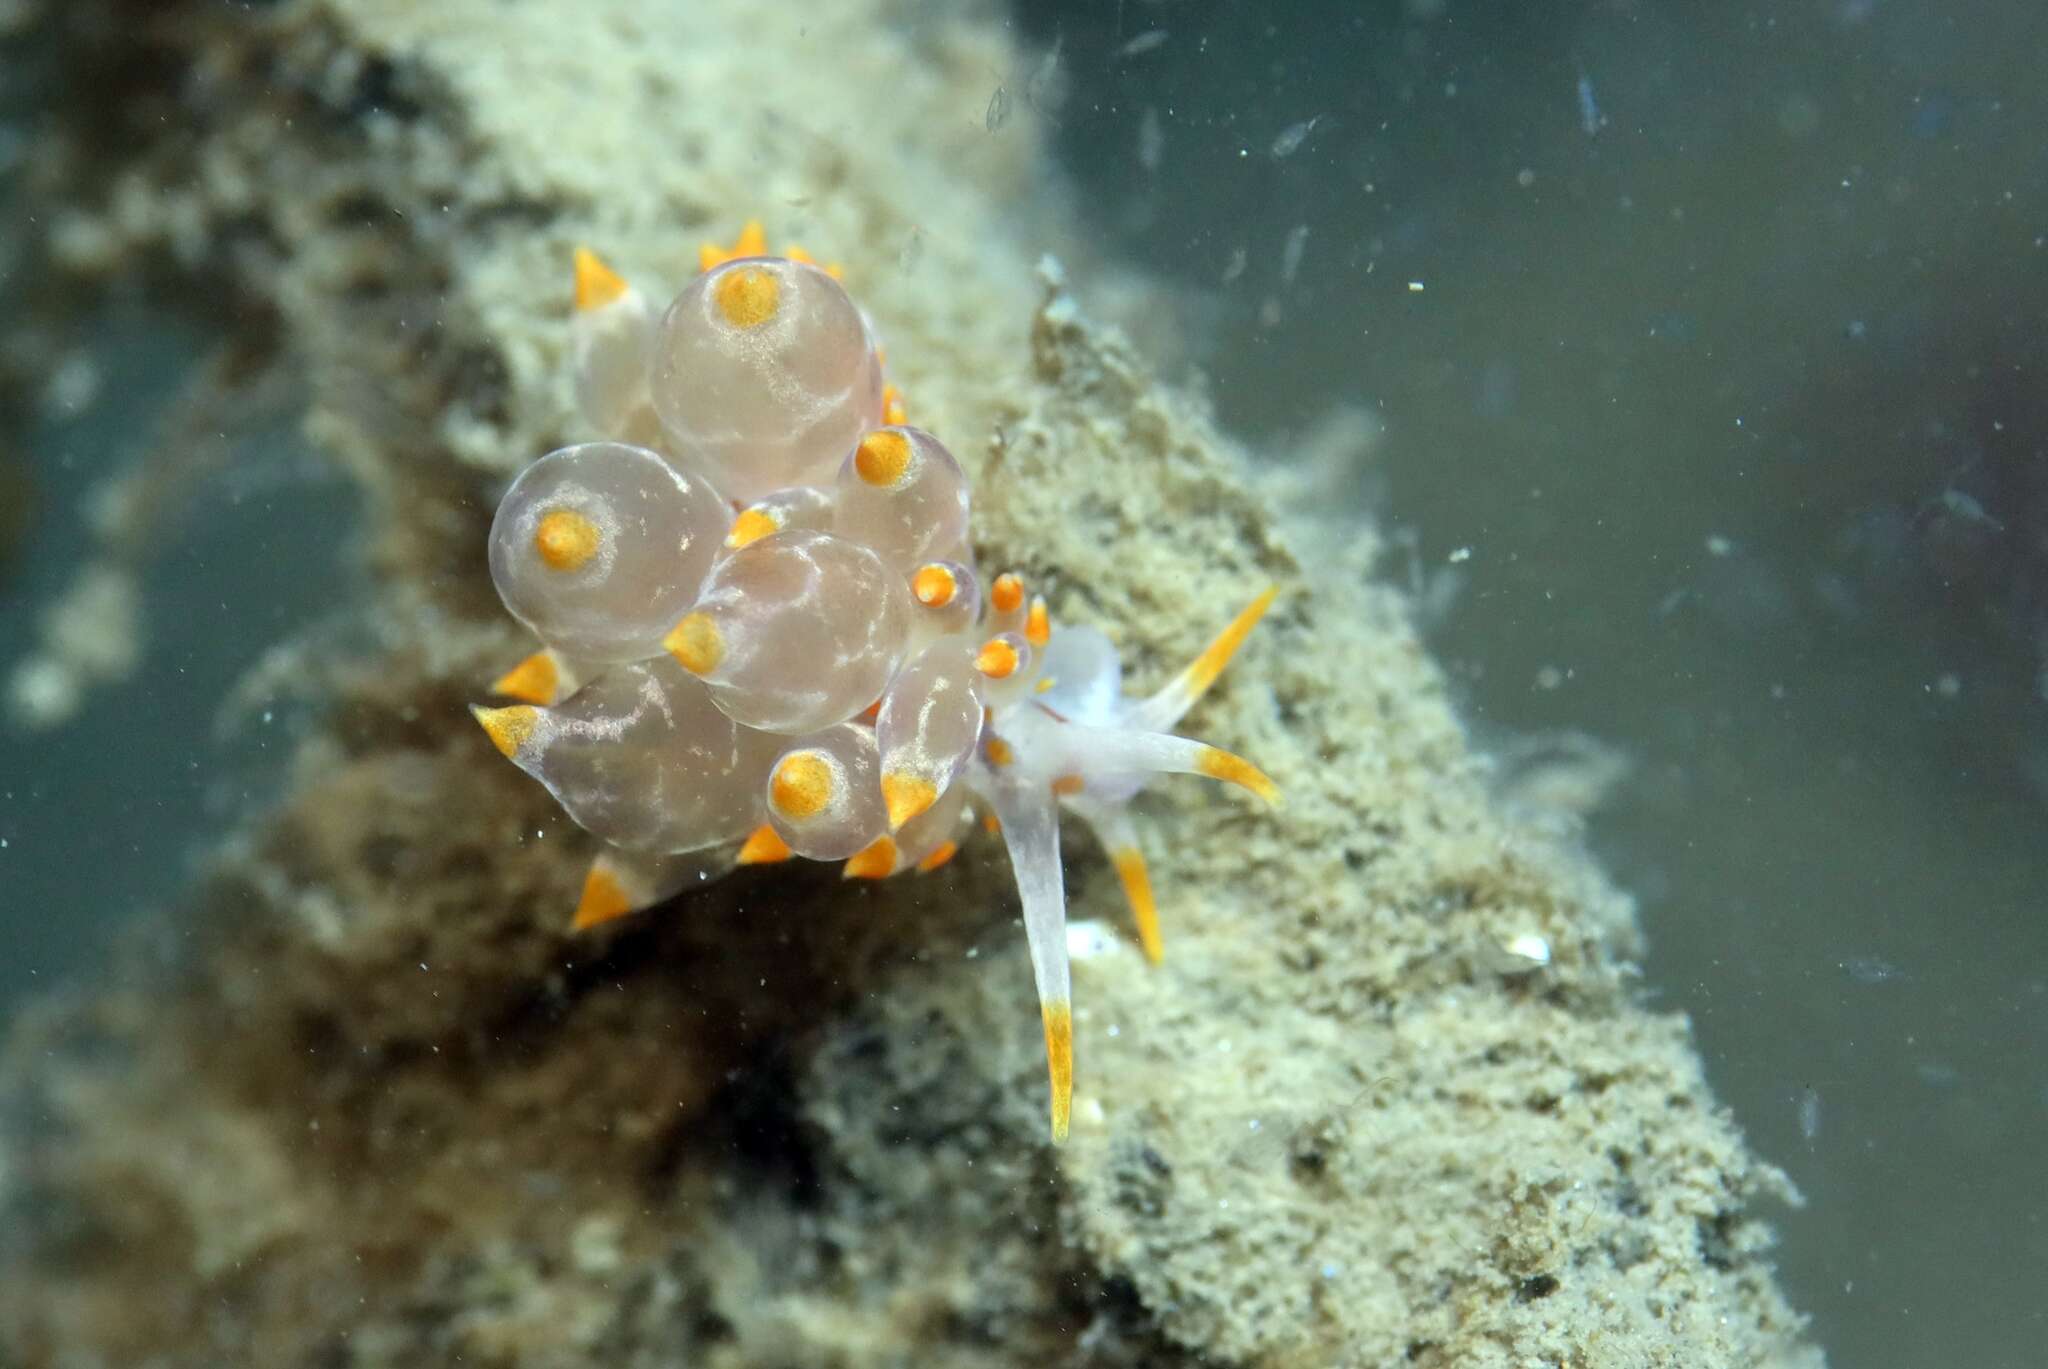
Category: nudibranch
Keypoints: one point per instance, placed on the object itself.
(764, 634)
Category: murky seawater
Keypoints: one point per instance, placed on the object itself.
(1704, 353)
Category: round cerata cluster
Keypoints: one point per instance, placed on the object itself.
(764, 634)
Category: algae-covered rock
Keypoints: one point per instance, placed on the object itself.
(363, 1099)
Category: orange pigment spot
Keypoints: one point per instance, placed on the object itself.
(934, 585)
(999, 754)
(566, 540)
(1068, 785)
(747, 296)
(751, 526)
(893, 411)
(802, 785)
(997, 659)
(1007, 593)
(508, 728)
(883, 458)
(876, 860)
(596, 283)
(940, 854)
(763, 847)
(604, 898)
(533, 681)
(1038, 625)
(696, 644)
(752, 242)
(906, 796)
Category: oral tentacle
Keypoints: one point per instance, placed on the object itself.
(1112, 825)
(1167, 707)
(1030, 825)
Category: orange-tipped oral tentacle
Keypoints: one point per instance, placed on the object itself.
(1129, 863)
(1059, 1064)
(1171, 703)
(1030, 826)
(1119, 837)
(1219, 764)
(1109, 751)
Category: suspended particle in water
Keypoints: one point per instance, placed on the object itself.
(1591, 120)
(1290, 253)
(1964, 508)
(1293, 136)
(998, 109)
(1151, 139)
(1039, 89)
(913, 249)
(1809, 1113)
(1150, 40)
(1870, 969)
(1238, 258)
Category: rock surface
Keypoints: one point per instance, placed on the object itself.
(381, 1108)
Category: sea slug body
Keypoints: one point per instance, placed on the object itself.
(764, 635)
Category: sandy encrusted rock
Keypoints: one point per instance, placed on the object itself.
(1389, 1100)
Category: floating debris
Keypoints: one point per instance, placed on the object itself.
(1964, 508)
(1293, 136)
(1039, 89)
(1238, 258)
(1590, 117)
(1869, 969)
(998, 109)
(1290, 253)
(1151, 139)
(1151, 40)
